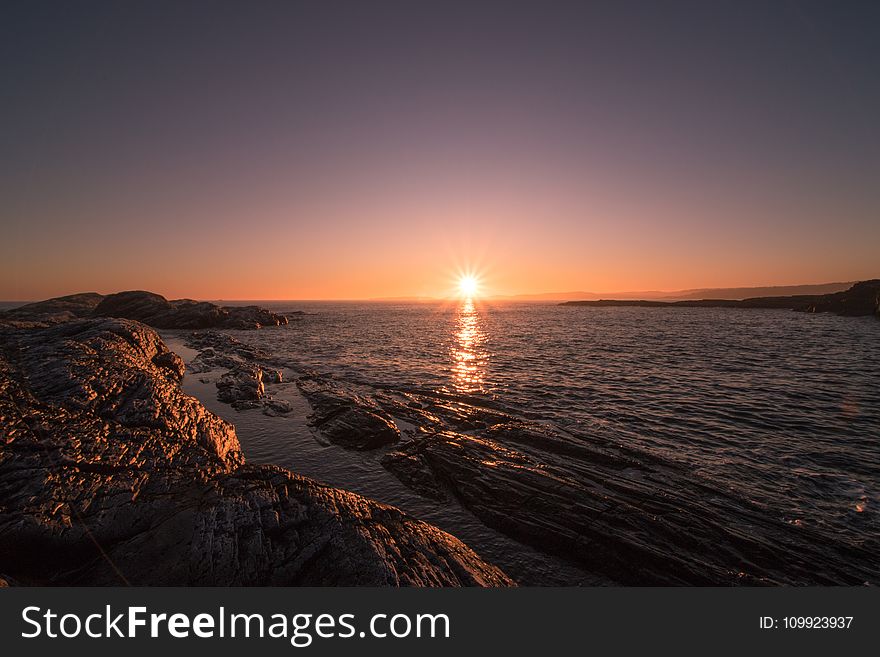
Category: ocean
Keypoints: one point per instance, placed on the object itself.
(761, 425)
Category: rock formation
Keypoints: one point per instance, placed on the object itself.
(157, 311)
(53, 311)
(248, 370)
(242, 387)
(347, 419)
(109, 474)
(147, 307)
(861, 299)
(619, 514)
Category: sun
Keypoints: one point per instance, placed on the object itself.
(468, 285)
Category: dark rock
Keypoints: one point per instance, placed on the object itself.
(221, 351)
(275, 407)
(109, 474)
(272, 375)
(209, 359)
(249, 317)
(861, 299)
(157, 311)
(54, 311)
(413, 470)
(347, 419)
(146, 307)
(636, 521)
(241, 386)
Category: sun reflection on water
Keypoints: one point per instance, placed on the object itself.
(469, 359)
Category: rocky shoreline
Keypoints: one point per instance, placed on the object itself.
(147, 307)
(110, 474)
(616, 513)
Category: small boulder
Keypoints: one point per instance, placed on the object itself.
(275, 407)
(242, 386)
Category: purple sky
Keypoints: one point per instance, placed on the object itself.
(360, 149)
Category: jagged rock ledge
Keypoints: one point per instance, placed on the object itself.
(110, 474)
(861, 300)
(345, 418)
(147, 307)
(636, 520)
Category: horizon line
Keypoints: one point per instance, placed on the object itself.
(525, 296)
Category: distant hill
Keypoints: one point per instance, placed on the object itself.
(862, 299)
(750, 292)
(569, 296)
(681, 295)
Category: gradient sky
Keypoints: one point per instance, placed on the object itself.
(363, 149)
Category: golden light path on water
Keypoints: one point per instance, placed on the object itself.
(469, 359)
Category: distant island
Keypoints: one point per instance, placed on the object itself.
(808, 289)
(678, 295)
(862, 299)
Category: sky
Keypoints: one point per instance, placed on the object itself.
(343, 150)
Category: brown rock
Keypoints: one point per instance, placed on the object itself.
(109, 474)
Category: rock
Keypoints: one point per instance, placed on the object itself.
(223, 344)
(275, 407)
(109, 474)
(209, 359)
(157, 311)
(413, 470)
(222, 351)
(861, 299)
(147, 307)
(633, 520)
(242, 386)
(54, 311)
(248, 317)
(272, 375)
(347, 419)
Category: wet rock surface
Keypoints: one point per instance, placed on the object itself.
(219, 350)
(243, 384)
(626, 515)
(623, 514)
(346, 418)
(242, 387)
(109, 474)
(275, 407)
(630, 519)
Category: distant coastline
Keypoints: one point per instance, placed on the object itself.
(862, 299)
(811, 289)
